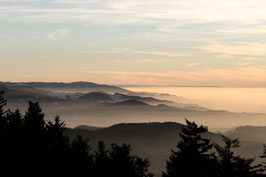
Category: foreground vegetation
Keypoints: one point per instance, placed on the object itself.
(32, 146)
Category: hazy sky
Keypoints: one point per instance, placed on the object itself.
(149, 42)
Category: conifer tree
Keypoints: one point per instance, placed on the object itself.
(15, 122)
(81, 157)
(34, 118)
(57, 145)
(192, 157)
(102, 160)
(231, 165)
(123, 163)
(35, 136)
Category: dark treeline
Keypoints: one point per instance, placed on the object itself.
(32, 146)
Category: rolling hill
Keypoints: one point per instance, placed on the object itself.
(155, 140)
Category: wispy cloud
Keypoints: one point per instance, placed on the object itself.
(244, 63)
(60, 33)
(249, 59)
(172, 28)
(192, 64)
(166, 31)
(256, 29)
(128, 51)
(236, 76)
(239, 48)
(75, 2)
(137, 61)
(154, 10)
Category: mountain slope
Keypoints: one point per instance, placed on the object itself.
(69, 87)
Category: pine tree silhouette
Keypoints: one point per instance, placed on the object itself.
(192, 157)
(82, 159)
(56, 150)
(102, 165)
(142, 167)
(35, 137)
(231, 165)
(34, 118)
(123, 163)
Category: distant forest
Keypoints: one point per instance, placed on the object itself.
(32, 146)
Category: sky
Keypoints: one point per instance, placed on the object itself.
(134, 42)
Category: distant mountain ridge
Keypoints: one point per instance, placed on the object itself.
(39, 91)
(72, 86)
(22, 93)
(105, 108)
(250, 133)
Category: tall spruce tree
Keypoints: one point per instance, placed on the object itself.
(193, 156)
(231, 165)
(123, 163)
(56, 150)
(81, 157)
(34, 118)
(102, 163)
(35, 136)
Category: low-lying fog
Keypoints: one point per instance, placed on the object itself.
(221, 98)
(77, 112)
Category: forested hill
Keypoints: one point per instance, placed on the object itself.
(152, 140)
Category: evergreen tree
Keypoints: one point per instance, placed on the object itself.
(34, 118)
(231, 165)
(35, 137)
(15, 139)
(57, 140)
(102, 161)
(123, 163)
(121, 160)
(15, 122)
(81, 158)
(57, 145)
(192, 157)
(142, 167)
